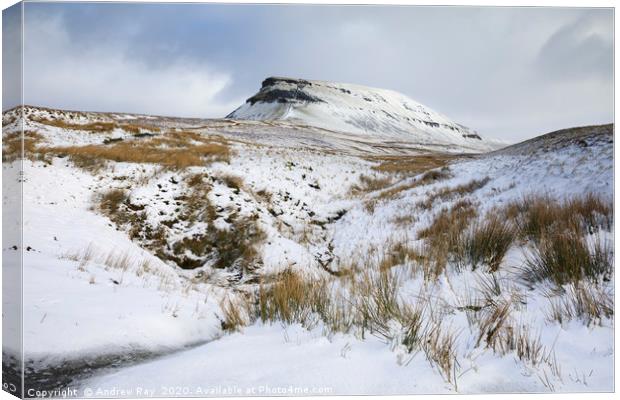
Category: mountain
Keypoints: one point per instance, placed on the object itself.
(364, 111)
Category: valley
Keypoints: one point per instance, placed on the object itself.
(371, 256)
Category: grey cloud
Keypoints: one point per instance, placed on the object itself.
(500, 70)
(580, 50)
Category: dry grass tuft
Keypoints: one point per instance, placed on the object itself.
(232, 181)
(440, 350)
(588, 302)
(293, 300)
(234, 314)
(539, 216)
(111, 201)
(397, 254)
(486, 242)
(567, 257)
(444, 236)
(369, 184)
(378, 303)
(492, 320)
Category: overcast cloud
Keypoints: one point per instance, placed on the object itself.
(510, 73)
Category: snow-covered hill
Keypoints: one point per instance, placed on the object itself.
(367, 112)
(141, 233)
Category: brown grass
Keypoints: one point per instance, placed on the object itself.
(87, 163)
(99, 126)
(567, 258)
(448, 193)
(372, 304)
(538, 216)
(90, 127)
(411, 165)
(588, 302)
(370, 184)
(492, 321)
(444, 235)
(440, 350)
(426, 178)
(232, 181)
(234, 314)
(146, 152)
(111, 201)
(397, 254)
(139, 128)
(174, 150)
(12, 148)
(293, 299)
(378, 302)
(486, 242)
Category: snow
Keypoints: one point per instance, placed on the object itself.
(78, 303)
(367, 112)
(67, 315)
(271, 360)
(280, 360)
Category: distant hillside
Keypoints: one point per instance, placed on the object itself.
(365, 111)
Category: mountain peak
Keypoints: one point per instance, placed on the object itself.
(364, 111)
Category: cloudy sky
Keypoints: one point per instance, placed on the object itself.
(510, 73)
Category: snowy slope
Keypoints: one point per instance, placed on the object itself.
(294, 360)
(90, 302)
(367, 112)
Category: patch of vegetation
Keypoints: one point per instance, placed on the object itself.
(232, 181)
(426, 178)
(444, 235)
(97, 127)
(233, 249)
(567, 257)
(486, 242)
(587, 301)
(539, 216)
(398, 254)
(235, 314)
(411, 165)
(173, 150)
(293, 299)
(448, 193)
(14, 148)
(370, 184)
(146, 152)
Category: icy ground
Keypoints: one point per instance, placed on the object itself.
(90, 291)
